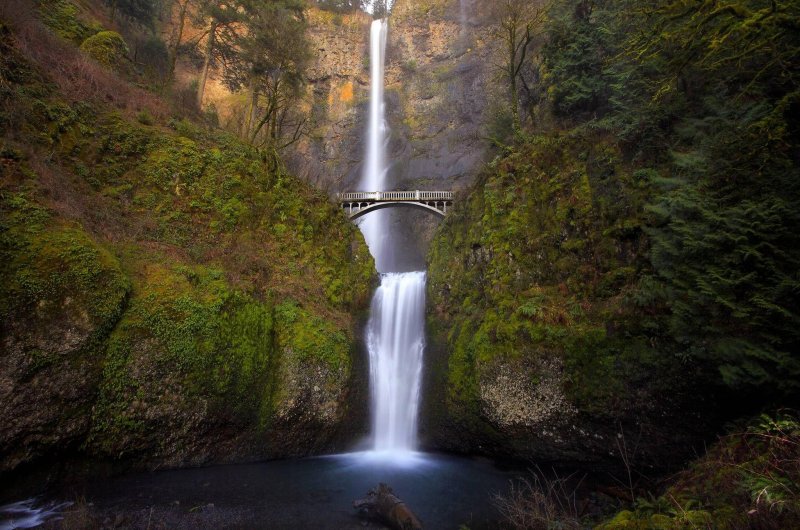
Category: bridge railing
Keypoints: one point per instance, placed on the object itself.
(415, 195)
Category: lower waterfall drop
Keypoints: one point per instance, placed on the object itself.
(396, 339)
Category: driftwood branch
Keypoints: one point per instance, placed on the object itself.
(381, 503)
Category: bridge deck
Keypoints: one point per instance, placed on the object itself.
(366, 196)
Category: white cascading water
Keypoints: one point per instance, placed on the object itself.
(374, 176)
(395, 333)
(395, 339)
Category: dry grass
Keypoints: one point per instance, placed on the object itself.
(79, 77)
(540, 503)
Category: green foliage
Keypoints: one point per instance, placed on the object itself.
(145, 118)
(339, 6)
(107, 48)
(573, 58)
(62, 17)
(749, 479)
(533, 265)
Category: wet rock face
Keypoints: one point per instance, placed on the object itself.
(45, 382)
(337, 95)
(438, 85)
(311, 405)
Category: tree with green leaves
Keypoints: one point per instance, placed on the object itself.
(705, 98)
(223, 21)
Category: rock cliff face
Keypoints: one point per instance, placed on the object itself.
(437, 88)
(437, 91)
(437, 85)
(337, 95)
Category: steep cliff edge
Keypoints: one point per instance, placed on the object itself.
(170, 296)
(437, 90)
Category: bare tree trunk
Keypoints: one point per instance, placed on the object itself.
(178, 36)
(512, 74)
(201, 85)
(253, 110)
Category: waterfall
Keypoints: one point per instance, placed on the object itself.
(395, 338)
(395, 333)
(374, 226)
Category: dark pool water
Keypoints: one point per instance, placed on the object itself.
(444, 491)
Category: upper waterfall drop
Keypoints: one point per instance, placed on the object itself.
(374, 177)
(374, 226)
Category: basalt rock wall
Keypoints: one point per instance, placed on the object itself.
(438, 84)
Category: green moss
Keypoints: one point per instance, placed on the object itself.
(63, 18)
(312, 338)
(107, 48)
(536, 263)
(186, 323)
(51, 269)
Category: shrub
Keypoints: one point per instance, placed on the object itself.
(540, 503)
(107, 48)
(145, 118)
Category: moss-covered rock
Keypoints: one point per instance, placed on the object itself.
(61, 294)
(539, 349)
(65, 19)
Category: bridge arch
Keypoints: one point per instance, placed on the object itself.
(392, 204)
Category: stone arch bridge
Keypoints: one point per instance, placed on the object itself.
(360, 203)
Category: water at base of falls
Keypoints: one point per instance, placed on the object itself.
(396, 339)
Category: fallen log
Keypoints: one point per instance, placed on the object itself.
(381, 503)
